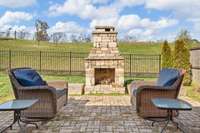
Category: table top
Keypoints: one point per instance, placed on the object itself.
(17, 105)
(172, 104)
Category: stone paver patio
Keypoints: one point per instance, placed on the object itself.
(107, 114)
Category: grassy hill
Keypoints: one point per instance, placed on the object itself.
(125, 47)
(137, 48)
(140, 48)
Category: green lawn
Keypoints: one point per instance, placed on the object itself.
(138, 48)
(5, 88)
(193, 91)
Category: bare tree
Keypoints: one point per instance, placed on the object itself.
(22, 34)
(8, 32)
(87, 38)
(74, 38)
(41, 30)
(57, 36)
(130, 38)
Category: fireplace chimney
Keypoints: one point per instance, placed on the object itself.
(104, 37)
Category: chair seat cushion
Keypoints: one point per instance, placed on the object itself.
(167, 77)
(28, 77)
(60, 93)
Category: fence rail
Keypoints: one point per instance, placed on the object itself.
(72, 63)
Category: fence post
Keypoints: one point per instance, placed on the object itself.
(40, 61)
(70, 62)
(159, 62)
(10, 63)
(130, 65)
(15, 34)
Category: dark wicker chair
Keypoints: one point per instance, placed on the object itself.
(51, 97)
(148, 90)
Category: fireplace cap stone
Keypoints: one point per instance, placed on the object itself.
(104, 30)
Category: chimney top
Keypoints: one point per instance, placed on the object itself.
(104, 29)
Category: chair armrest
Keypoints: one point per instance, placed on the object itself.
(142, 83)
(37, 88)
(58, 84)
(154, 88)
(137, 84)
(147, 92)
(45, 94)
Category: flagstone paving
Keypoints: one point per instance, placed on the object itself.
(106, 114)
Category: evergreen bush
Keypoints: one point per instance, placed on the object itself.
(166, 56)
(182, 60)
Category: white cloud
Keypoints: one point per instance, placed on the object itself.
(86, 9)
(186, 10)
(135, 26)
(141, 34)
(69, 27)
(171, 4)
(106, 12)
(104, 22)
(81, 8)
(160, 24)
(134, 32)
(127, 22)
(109, 14)
(196, 27)
(17, 3)
(14, 17)
(100, 1)
(124, 3)
(19, 28)
(181, 8)
(12, 20)
(4, 28)
(143, 28)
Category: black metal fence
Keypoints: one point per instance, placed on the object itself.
(72, 63)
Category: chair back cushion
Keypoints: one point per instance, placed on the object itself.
(28, 77)
(167, 77)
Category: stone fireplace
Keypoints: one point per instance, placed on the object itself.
(104, 65)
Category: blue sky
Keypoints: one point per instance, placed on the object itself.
(141, 19)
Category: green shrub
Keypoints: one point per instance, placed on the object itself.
(182, 60)
(166, 56)
(185, 36)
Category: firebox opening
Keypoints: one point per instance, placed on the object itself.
(107, 29)
(104, 75)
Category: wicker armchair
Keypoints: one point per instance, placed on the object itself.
(145, 91)
(52, 96)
